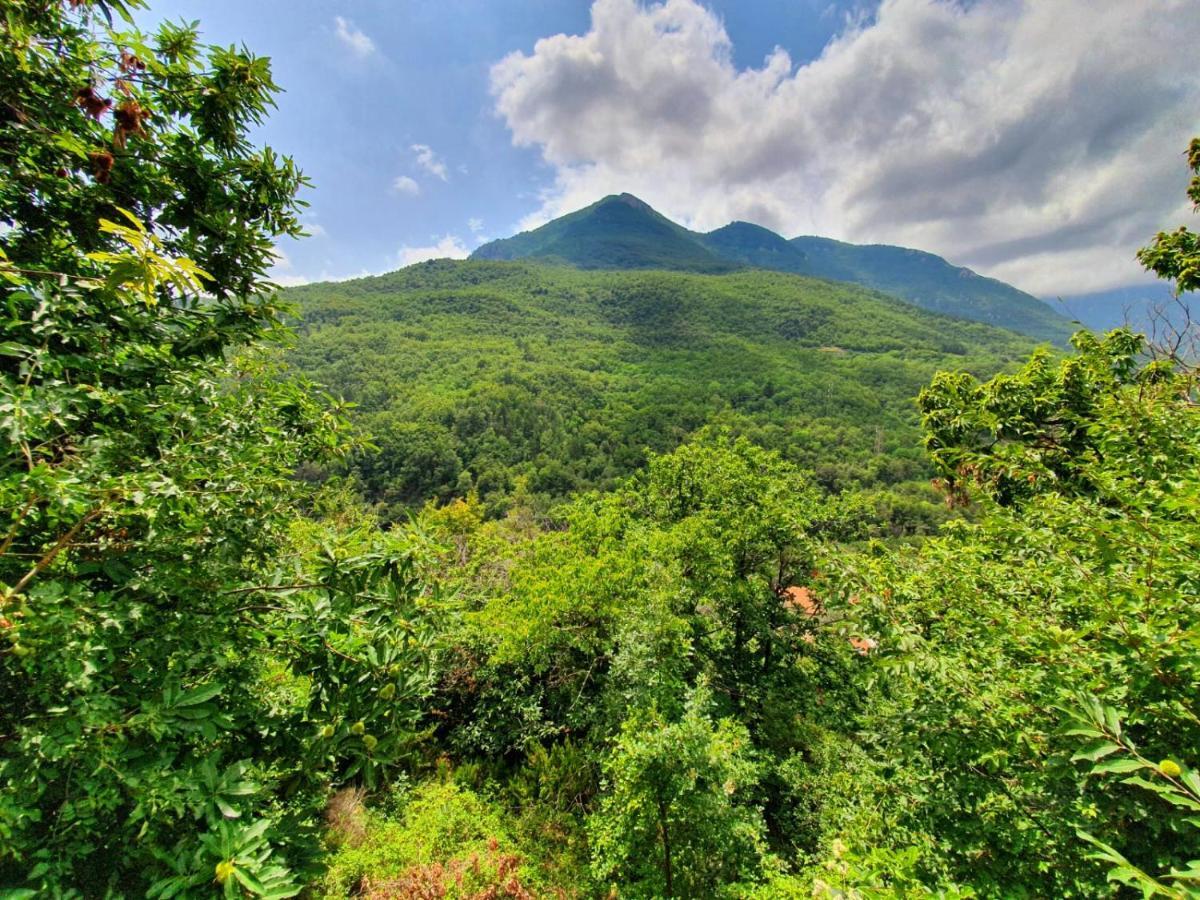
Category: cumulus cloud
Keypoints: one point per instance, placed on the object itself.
(428, 160)
(352, 38)
(448, 247)
(405, 185)
(1036, 142)
(281, 272)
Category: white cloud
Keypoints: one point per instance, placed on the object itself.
(281, 272)
(290, 280)
(475, 224)
(1037, 142)
(352, 38)
(428, 160)
(449, 246)
(405, 185)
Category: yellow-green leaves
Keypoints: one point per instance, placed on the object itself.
(145, 269)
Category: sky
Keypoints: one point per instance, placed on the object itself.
(1037, 141)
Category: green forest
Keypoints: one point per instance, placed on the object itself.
(508, 378)
(509, 578)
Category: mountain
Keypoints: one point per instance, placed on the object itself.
(756, 246)
(623, 232)
(933, 283)
(502, 377)
(618, 232)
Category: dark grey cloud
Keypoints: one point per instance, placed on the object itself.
(1035, 140)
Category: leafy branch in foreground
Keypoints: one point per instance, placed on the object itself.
(1112, 752)
(164, 726)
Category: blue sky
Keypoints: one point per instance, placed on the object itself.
(352, 116)
(429, 126)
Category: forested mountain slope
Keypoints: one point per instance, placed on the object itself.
(229, 671)
(760, 247)
(617, 232)
(932, 283)
(498, 377)
(623, 232)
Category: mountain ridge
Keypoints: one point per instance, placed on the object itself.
(621, 231)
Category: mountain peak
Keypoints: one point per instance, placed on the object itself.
(621, 231)
(748, 227)
(629, 200)
(757, 246)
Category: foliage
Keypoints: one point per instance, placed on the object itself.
(1020, 435)
(1175, 256)
(1111, 752)
(170, 656)
(1079, 577)
(673, 822)
(710, 672)
(474, 375)
(447, 842)
(657, 618)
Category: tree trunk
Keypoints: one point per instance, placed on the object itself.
(666, 842)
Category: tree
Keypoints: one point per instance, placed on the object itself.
(1072, 594)
(1175, 255)
(675, 821)
(171, 652)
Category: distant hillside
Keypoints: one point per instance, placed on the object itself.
(502, 377)
(623, 232)
(756, 246)
(932, 283)
(618, 232)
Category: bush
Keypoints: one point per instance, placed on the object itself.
(447, 842)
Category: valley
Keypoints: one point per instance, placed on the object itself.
(613, 559)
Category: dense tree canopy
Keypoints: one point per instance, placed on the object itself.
(159, 705)
(479, 375)
(664, 613)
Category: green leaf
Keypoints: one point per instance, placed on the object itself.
(198, 695)
(1167, 791)
(1125, 764)
(1190, 872)
(1095, 752)
(226, 810)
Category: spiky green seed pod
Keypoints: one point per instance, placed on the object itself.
(358, 727)
(326, 732)
(224, 871)
(1170, 768)
(387, 692)
(369, 741)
